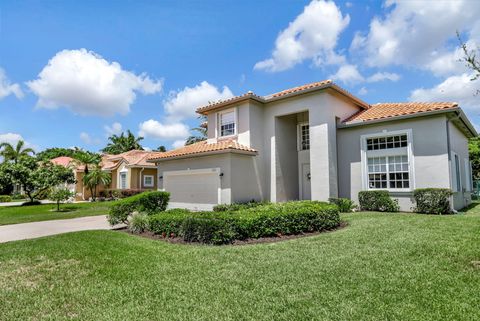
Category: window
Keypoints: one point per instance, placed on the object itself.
(227, 123)
(148, 181)
(123, 180)
(389, 142)
(386, 161)
(304, 136)
(457, 174)
(468, 175)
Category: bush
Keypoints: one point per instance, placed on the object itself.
(18, 196)
(432, 200)
(236, 206)
(377, 201)
(344, 205)
(5, 198)
(138, 223)
(148, 202)
(121, 193)
(260, 221)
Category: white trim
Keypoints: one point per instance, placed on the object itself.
(299, 135)
(219, 122)
(386, 153)
(148, 185)
(120, 179)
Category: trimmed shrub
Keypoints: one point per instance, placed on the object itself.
(148, 202)
(260, 221)
(377, 201)
(138, 223)
(432, 200)
(236, 206)
(5, 198)
(344, 205)
(121, 193)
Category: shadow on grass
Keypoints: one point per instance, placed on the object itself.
(473, 208)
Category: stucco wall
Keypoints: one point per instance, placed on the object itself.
(430, 156)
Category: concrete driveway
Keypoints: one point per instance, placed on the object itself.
(33, 230)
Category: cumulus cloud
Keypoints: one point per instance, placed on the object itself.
(416, 33)
(182, 104)
(13, 138)
(157, 130)
(458, 88)
(87, 84)
(363, 91)
(381, 76)
(349, 74)
(115, 129)
(89, 140)
(178, 143)
(7, 88)
(312, 35)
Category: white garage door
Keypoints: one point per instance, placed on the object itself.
(197, 189)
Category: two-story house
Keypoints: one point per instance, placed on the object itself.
(315, 142)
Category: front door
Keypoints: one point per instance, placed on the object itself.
(305, 192)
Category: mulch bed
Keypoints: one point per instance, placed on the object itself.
(280, 238)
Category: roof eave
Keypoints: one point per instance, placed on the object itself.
(217, 152)
(206, 109)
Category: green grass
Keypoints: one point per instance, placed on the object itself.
(24, 214)
(380, 267)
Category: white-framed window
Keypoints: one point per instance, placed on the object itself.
(303, 136)
(148, 181)
(123, 180)
(227, 123)
(456, 174)
(468, 175)
(387, 161)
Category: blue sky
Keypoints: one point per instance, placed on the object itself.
(74, 71)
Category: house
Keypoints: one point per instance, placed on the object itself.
(315, 142)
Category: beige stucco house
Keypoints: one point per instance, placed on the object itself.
(315, 142)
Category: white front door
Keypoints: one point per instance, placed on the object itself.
(305, 188)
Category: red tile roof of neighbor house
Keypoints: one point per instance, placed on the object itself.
(202, 147)
(62, 160)
(132, 158)
(388, 110)
(283, 94)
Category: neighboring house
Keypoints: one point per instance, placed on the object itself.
(315, 142)
(69, 162)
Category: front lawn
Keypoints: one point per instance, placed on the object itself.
(24, 214)
(380, 267)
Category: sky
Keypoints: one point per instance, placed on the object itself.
(74, 72)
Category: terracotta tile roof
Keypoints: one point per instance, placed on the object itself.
(62, 160)
(387, 110)
(279, 95)
(202, 147)
(132, 158)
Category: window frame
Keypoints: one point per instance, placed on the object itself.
(400, 151)
(120, 174)
(148, 185)
(299, 136)
(219, 123)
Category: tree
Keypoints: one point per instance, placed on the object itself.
(123, 143)
(14, 153)
(86, 159)
(160, 149)
(94, 178)
(474, 150)
(470, 58)
(60, 195)
(201, 131)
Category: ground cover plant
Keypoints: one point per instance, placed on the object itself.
(382, 266)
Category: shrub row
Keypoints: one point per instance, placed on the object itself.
(147, 202)
(377, 201)
(120, 193)
(237, 206)
(255, 222)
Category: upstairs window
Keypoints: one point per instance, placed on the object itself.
(304, 136)
(390, 142)
(227, 123)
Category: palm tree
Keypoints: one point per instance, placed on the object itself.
(123, 143)
(201, 130)
(160, 149)
(94, 178)
(11, 153)
(86, 159)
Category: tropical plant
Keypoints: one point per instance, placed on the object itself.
(123, 143)
(94, 178)
(86, 159)
(200, 132)
(60, 195)
(9, 152)
(160, 149)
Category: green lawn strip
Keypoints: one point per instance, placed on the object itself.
(379, 267)
(24, 214)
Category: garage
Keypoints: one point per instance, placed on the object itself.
(197, 189)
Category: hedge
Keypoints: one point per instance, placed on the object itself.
(236, 206)
(432, 200)
(5, 198)
(147, 202)
(261, 221)
(377, 201)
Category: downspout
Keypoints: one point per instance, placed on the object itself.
(140, 178)
(449, 152)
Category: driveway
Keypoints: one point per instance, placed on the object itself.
(33, 230)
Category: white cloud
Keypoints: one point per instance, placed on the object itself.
(415, 32)
(87, 84)
(155, 129)
(89, 140)
(348, 74)
(7, 88)
(312, 35)
(178, 143)
(455, 88)
(13, 138)
(363, 91)
(182, 104)
(115, 129)
(381, 76)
